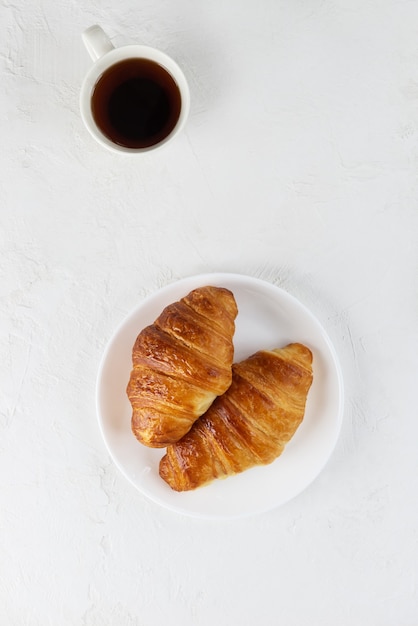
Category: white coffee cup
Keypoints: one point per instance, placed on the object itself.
(118, 136)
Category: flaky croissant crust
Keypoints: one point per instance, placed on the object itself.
(249, 425)
(181, 362)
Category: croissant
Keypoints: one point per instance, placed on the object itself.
(249, 425)
(181, 363)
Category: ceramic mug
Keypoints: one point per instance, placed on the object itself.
(134, 98)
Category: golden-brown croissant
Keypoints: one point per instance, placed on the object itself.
(181, 362)
(249, 425)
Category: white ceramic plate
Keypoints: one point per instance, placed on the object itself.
(268, 317)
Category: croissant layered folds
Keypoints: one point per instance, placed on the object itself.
(181, 362)
(249, 425)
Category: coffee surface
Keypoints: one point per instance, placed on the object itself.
(136, 103)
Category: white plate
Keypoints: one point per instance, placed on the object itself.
(268, 317)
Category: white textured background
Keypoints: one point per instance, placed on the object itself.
(299, 165)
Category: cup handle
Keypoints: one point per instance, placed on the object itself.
(96, 42)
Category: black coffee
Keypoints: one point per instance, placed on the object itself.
(136, 103)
